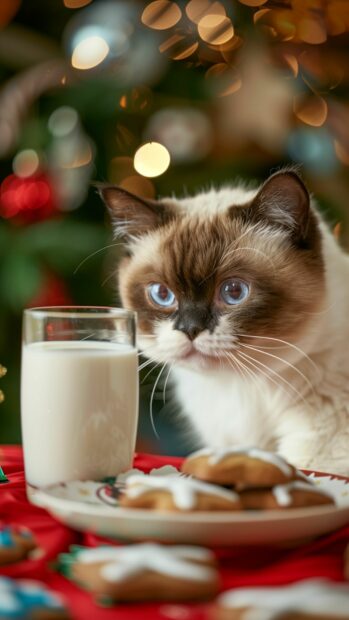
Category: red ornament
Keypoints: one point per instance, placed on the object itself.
(54, 292)
(28, 199)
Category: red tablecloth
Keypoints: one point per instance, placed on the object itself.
(239, 567)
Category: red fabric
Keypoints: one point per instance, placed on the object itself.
(239, 567)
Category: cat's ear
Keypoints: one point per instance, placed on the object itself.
(131, 215)
(284, 200)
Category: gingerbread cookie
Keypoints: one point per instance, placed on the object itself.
(315, 599)
(295, 494)
(176, 494)
(29, 600)
(15, 544)
(144, 572)
(239, 468)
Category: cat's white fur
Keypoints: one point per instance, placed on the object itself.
(228, 408)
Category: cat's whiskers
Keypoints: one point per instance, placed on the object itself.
(266, 375)
(150, 371)
(283, 361)
(246, 373)
(165, 384)
(152, 399)
(283, 342)
(275, 374)
(106, 247)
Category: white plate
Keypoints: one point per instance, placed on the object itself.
(90, 506)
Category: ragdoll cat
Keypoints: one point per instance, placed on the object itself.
(244, 294)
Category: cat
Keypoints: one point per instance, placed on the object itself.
(244, 296)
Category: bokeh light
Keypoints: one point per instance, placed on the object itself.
(314, 149)
(178, 47)
(151, 159)
(312, 30)
(63, 121)
(185, 131)
(139, 185)
(215, 29)
(310, 110)
(76, 4)
(89, 53)
(25, 163)
(342, 152)
(197, 9)
(253, 3)
(161, 14)
(224, 80)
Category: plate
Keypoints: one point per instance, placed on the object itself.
(93, 506)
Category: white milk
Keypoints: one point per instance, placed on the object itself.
(79, 404)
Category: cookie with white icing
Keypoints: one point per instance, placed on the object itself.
(239, 468)
(294, 494)
(176, 494)
(16, 543)
(315, 599)
(30, 600)
(145, 572)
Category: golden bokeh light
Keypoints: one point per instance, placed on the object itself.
(342, 152)
(119, 168)
(151, 159)
(215, 29)
(197, 9)
(310, 110)
(253, 3)
(139, 185)
(178, 47)
(25, 163)
(226, 80)
(161, 15)
(82, 158)
(89, 53)
(292, 63)
(258, 15)
(76, 4)
(311, 30)
(138, 99)
(8, 9)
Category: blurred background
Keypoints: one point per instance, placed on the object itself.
(159, 97)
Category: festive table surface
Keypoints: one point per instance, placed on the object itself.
(238, 566)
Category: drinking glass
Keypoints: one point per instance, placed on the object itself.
(79, 393)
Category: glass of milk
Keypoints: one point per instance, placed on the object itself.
(79, 393)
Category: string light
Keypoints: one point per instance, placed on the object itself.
(151, 159)
(161, 15)
(89, 53)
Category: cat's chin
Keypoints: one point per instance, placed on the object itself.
(198, 361)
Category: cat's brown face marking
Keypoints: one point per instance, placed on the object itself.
(192, 256)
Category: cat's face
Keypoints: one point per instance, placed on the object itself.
(213, 281)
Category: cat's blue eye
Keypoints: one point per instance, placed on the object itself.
(161, 295)
(234, 291)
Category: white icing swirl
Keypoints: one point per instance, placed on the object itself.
(282, 492)
(184, 491)
(217, 455)
(179, 561)
(310, 596)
